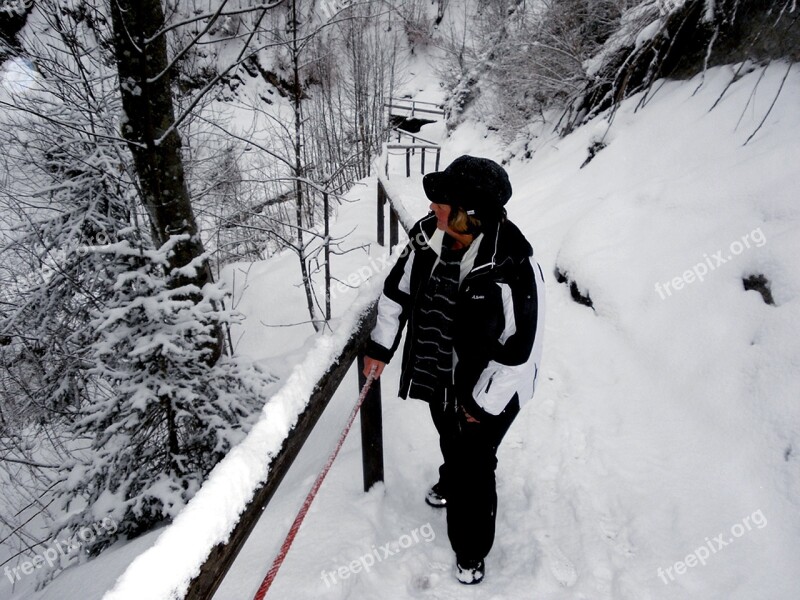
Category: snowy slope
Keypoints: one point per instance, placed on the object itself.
(665, 432)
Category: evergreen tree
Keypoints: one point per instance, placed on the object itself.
(163, 417)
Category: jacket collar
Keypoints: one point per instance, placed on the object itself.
(503, 243)
(497, 244)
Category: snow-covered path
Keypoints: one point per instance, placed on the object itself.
(657, 458)
(587, 509)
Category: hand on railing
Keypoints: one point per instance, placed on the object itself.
(369, 363)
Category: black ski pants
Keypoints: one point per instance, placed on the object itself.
(467, 475)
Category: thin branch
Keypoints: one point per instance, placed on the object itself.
(252, 33)
(771, 106)
(28, 463)
(730, 83)
(230, 13)
(311, 321)
(752, 95)
(188, 46)
(264, 149)
(49, 119)
(207, 88)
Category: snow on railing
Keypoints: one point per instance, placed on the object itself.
(205, 537)
(401, 133)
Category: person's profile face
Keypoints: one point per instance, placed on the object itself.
(442, 212)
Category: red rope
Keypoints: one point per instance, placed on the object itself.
(298, 520)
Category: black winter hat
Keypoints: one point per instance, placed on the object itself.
(473, 183)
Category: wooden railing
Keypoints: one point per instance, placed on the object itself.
(414, 107)
(401, 133)
(410, 150)
(222, 556)
(383, 197)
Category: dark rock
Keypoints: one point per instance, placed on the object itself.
(759, 283)
(574, 290)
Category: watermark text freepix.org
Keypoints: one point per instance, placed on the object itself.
(61, 548)
(709, 263)
(712, 545)
(365, 272)
(379, 553)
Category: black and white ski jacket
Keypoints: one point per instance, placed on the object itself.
(498, 326)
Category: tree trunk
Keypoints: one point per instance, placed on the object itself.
(440, 11)
(297, 99)
(146, 90)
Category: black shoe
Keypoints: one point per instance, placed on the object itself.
(435, 498)
(470, 572)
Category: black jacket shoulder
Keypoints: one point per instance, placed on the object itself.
(513, 243)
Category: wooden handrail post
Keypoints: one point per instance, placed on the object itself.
(371, 429)
(422, 161)
(408, 162)
(213, 570)
(381, 218)
(326, 207)
(393, 227)
(438, 156)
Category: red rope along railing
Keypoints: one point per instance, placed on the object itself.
(301, 515)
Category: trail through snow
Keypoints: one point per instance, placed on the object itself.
(657, 459)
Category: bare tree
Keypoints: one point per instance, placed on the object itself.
(338, 72)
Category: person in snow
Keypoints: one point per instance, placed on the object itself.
(472, 296)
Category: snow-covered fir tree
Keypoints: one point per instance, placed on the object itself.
(164, 413)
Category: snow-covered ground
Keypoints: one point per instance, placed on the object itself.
(659, 458)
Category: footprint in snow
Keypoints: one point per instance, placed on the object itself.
(423, 582)
(561, 567)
